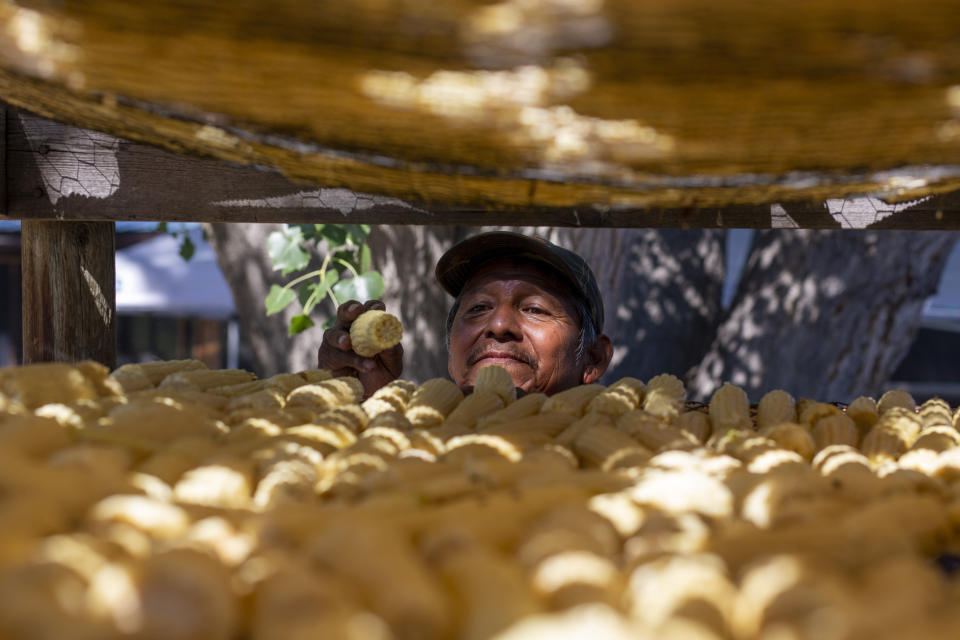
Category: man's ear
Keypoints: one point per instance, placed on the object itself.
(598, 359)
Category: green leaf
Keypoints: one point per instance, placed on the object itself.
(329, 279)
(305, 290)
(299, 324)
(187, 248)
(357, 233)
(285, 251)
(368, 286)
(347, 256)
(366, 259)
(162, 227)
(278, 299)
(335, 234)
(330, 322)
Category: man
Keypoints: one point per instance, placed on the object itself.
(521, 303)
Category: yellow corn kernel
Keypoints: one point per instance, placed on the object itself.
(863, 411)
(809, 411)
(609, 448)
(572, 401)
(792, 437)
(494, 379)
(327, 394)
(696, 423)
(432, 402)
(896, 398)
(475, 406)
(935, 412)
(652, 432)
(835, 429)
(664, 396)
(521, 408)
(626, 394)
(776, 407)
(730, 408)
(375, 331)
(350, 416)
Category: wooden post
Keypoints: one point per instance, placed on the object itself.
(69, 292)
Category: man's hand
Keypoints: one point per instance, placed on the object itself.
(336, 352)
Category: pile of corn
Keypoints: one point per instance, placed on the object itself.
(166, 500)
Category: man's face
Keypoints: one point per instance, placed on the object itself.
(516, 315)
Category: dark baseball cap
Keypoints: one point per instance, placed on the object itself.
(461, 261)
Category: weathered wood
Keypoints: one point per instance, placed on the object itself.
(623, 105)
(57, 171)
(68, 292)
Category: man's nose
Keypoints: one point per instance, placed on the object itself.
(502, 323)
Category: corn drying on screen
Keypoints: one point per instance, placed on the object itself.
(167, 500)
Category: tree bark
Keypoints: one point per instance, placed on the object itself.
(242, 255)
(823, 314)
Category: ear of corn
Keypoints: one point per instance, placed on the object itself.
(729, 408)
(776, 407)
(375, 331)
(496, 380)
(895, 398)
(664, 395)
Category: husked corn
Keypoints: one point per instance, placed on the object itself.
(432, 402)
(496, 380)
(729, 408)
(664, 396)
(286, 507)
(896, 398)
(572, 401)
(863, 411)
(835, 429)
(792, 437)
(776, 407)
(375, 331)
(626, 394)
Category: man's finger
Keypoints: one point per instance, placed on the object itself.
(338, 339)
(348, 312)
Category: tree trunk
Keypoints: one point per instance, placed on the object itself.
(242, 255)
(662, 293)
(823, 314)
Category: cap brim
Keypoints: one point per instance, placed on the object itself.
(459, 263)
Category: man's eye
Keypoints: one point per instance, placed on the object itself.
(537, 310)
(477, 308)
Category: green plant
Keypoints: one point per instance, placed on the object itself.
(344, 274)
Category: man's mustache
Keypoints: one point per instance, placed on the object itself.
(499, 350)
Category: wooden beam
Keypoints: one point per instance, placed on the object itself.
(61, 172)
(68, 292)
